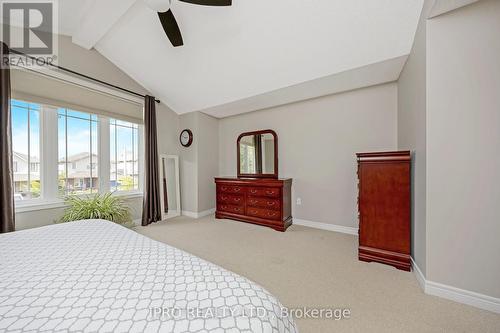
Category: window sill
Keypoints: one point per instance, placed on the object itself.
(54, 204)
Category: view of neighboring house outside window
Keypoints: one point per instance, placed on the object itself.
(78, 178)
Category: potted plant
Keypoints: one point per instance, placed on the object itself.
(98, 206)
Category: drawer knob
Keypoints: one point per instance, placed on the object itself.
(271, 203)
(237, 189)
(271, 214)
(237, 199)
(270, 192)
(253, 191)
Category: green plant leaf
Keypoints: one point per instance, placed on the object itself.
(99, 206)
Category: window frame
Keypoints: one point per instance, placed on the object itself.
(15, 165)
(139, 148)
(49, 161)
(92, 119)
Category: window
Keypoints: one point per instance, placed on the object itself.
(26, 149)
(124, 158)
(77, 135)
(74, 167)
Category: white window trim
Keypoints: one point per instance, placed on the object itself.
(32, 205)
(104, 151)
(49, 175)
(49, 163)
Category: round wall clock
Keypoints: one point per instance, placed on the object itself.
(186, 138)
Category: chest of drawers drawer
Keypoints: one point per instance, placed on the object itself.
(264, 192)
(232, 199)
(264, 213)
(268, 203)
(230, 189)
(230, 208)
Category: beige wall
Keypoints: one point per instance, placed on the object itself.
(463, 160)
(208, 157)
(94, 64)
(318, 140)
(412, 101)
(199, 162)
(189, 165)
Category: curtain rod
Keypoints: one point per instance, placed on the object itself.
(81, 75)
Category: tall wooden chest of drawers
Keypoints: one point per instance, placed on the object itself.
(263, 201)
(384, 205)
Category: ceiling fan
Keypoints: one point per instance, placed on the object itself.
(167, 18)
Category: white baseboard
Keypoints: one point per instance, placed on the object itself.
(456, 294)
(326, 226)
(418, 274)
(171, 214)
(195, 215)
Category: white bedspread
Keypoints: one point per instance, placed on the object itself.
(96, 276)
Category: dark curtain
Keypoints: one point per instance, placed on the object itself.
(258, 153)
(7, 216)
(151, 211)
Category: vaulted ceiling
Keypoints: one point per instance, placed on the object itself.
(255, 54)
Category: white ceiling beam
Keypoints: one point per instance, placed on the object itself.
(444, 6)
(99, 17)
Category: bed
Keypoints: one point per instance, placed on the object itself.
(97, 276)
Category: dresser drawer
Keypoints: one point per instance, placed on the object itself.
(264, 192)
(229, 188)
(232, 199)
(267, 214)
(230, 208)
(267, 203)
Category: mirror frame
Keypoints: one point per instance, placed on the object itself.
(261, 175)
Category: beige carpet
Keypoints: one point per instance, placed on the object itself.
(306, 267)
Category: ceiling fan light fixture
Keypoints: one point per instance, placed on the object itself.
(160, 6)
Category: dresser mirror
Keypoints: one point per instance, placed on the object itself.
(258, 154)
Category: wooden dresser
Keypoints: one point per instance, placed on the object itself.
(263, 201)
(384, 205)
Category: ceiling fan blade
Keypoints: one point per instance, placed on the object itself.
(171, 28)
(210, 2)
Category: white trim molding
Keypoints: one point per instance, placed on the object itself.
(195, 215)
(163, 169)
(327, 226)
(34, 205)
(463, 296)
(418, 274)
